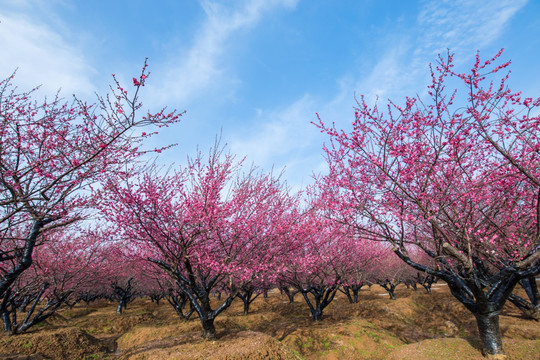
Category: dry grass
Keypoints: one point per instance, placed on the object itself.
(415, 326)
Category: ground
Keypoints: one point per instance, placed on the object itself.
(415, 326)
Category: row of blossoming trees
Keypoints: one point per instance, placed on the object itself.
(453, 190)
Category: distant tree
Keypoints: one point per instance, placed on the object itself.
(390, 271)
(63, 268)
(361, 266)
(319, 251)
(209, 226)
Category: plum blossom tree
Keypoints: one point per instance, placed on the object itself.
(51, 152)
(209, 226)
(318, 257)
(361, 266)
(460, 183)
(66, 265)
(125, 278)
(390, 271)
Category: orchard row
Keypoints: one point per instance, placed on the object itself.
(445, 186)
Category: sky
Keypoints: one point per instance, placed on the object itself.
(259, 71)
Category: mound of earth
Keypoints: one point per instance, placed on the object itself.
(358, 339)
(243, 345)
(66, 343)
(461, 349)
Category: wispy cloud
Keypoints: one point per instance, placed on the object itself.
(193, 73)
(280, 132)
(462, 26)
(283, 139)
(42, 56)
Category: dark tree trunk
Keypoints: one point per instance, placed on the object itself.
(178, 301)
(482, 293)
(390, 287)
(490, 333)
(426, 280)
(10, 305)
(123, 295)
(198, 291)
(208, 329)
(156, 298)
(5, 312)
(72, 303)
(247, 297)
(6, 321)
(410, 284)
(25, 260)
(530, 307)
(323, 297)
(88, 297)
(352, 291)
(290, 293)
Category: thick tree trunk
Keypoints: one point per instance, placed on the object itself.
(323, 297)
(7, 321)
(290, 294)
(199, 295)
(5, 312)
(208, 329)
(490, 334)
(390, 287)
(317, 314)
(483, 294)
(9, 277)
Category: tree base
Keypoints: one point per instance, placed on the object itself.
(495, 356)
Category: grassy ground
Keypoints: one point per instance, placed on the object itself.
(415, 326)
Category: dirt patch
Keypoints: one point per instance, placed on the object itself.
(358, 339)
(419, 316)
(68, 343)
(243, 345)
(145, 334)
(455, 348)
(416, 326)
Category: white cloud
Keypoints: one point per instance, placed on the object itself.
(42, 57)
(462, 25)
(287, 137)
(278, 133)
(193, 73)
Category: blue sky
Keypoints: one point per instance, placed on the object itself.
(260, 69)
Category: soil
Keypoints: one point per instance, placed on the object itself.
(416, 325)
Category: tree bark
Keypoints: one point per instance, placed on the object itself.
(208, 329)
(490, 334)
(323, 297)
